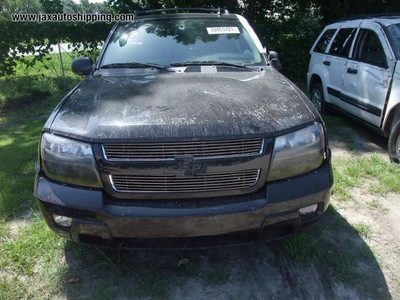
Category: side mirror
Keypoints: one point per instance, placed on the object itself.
(274, 59)
(82, 65)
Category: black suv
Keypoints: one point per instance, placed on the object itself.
(183, 134)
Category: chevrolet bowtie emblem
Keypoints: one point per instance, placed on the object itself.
(185, 166)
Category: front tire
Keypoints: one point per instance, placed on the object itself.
(394, 143)
(317, 98)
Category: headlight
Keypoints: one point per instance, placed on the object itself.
(298, 152)
(68, 161)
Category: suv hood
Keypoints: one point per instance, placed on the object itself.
(181, 105)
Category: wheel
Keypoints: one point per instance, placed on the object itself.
(317, 98)
(394, 143)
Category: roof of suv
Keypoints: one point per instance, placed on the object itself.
(179, 11)
(385, 20)
(185, 15)
(218, 11)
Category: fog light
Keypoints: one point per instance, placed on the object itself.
(62, 220)
(308, 209)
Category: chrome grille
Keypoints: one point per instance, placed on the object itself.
(223, 181)
(171, 150)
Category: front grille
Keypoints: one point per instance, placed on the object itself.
(210, 182)
(171, 150)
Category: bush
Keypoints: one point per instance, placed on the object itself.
(28, 38)
(292, 39)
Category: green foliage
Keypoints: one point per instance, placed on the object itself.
(19, 6)
(363, 229)
(332, 247)
(18, 39)
(27, 90)
(52, 6)
(293, 46)
(30, 261)
(31, 85)
(292, 37)
(26, 38)
(129, 6)
(350, 173)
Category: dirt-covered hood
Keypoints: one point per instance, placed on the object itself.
(178, 105)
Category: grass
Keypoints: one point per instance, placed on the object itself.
(26, 99)
(29, 261)
(30, 254)
(339, 253)
(18, 150)
(377, 205)
(363, 229)
(373, 171)
(370, 172)
(336, 249)
(35, 263)
(32, 85)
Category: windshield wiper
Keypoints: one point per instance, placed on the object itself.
(207, 63)
(132, 65)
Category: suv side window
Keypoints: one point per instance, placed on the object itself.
(324, 41)
(342, 42)
(369, 49)
(395, 36)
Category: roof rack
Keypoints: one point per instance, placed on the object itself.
(145, 12)
(370, 16)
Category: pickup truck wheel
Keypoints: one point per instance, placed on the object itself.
(394, 143)
(317, 97)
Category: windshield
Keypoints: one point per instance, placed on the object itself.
(395, 33)
(179, 41)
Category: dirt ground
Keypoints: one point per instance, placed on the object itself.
(384, 240)
(259, 272)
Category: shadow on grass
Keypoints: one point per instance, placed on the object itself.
(346, 135)
(328, 260)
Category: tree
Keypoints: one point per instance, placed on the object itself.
(8, 7)
(52, 6)
(332, 10)
(292, 36)
(70, 6)
(130, 6)
(18, 39)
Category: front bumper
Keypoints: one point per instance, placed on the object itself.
(270, 213)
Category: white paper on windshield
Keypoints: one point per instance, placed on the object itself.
(223, 30)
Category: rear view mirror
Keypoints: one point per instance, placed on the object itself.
(82, 65)
(273, 57)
